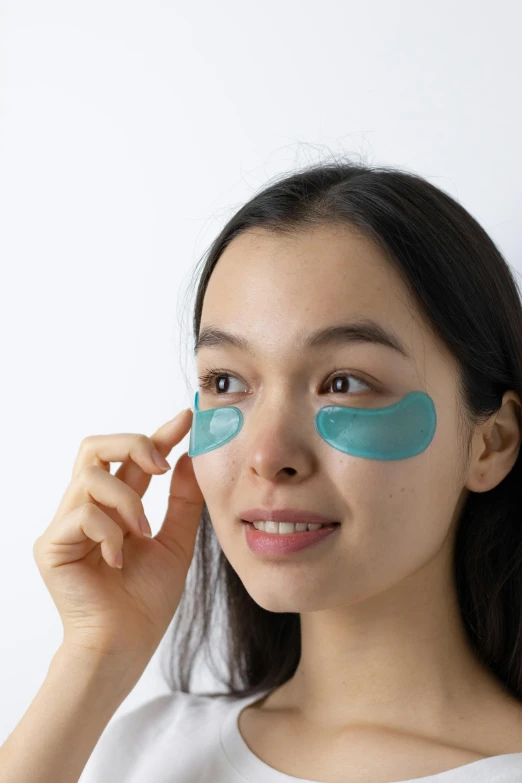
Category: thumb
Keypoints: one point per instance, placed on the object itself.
(185, 504)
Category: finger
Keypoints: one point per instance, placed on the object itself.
(76, 535)
(164, 440)
(185, 503)
(95, 484)
(101, 450)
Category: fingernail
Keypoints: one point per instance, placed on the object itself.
(160, 461)
(144, 526)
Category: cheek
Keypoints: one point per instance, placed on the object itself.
(219, 462)
(370, 485)
(217, 476)
(396, 516)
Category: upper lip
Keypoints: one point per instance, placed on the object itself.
(294, 515)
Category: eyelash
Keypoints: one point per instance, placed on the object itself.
(205, 381)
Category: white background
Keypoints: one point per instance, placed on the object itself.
(131, 132)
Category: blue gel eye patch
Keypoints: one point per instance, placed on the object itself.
(399, 431)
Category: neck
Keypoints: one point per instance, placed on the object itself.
(401, 658)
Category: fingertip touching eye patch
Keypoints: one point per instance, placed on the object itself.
(398, 431)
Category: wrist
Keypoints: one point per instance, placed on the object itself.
(118, 674)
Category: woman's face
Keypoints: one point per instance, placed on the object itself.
(395, 515)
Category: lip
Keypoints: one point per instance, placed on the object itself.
(294, 515)
(273, 545)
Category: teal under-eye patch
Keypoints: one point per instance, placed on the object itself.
(213, 428)
(398, 431)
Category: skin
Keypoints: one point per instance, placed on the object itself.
(382, 641)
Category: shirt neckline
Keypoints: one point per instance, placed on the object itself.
(253, 770)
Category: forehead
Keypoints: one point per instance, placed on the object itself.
(323, 273)
(274, 290)
(265, 269)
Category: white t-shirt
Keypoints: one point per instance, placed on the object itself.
(191, 738)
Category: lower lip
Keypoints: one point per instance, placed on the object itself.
(284, 544)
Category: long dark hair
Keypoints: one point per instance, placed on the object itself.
(468, 293)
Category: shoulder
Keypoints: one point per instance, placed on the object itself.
(168, 712)
(149, 730)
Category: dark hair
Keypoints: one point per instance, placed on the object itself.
(467, 292)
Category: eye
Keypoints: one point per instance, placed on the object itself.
(206, 382)
(342, 375)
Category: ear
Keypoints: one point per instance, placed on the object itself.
(496, 445)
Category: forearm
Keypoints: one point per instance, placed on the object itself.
(57, 734)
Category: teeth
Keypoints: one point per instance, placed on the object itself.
(285, 527)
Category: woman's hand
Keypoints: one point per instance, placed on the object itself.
(103, 609)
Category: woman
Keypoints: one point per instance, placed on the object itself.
(390, 647)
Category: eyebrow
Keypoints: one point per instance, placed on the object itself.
(364, 330)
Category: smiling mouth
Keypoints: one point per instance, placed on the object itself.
(287, 528)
